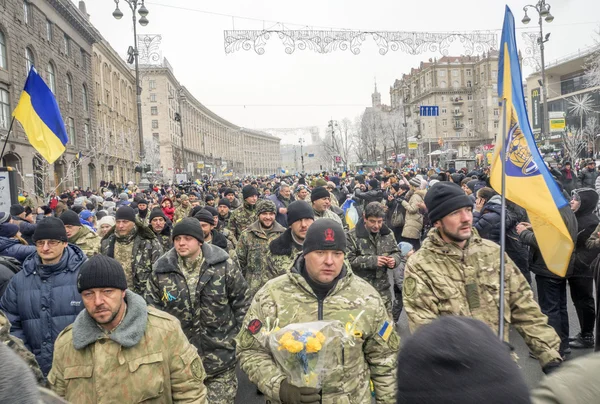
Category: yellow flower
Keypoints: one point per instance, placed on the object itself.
(320, 337)
(285, 337)
(292, 346)
(313, 345)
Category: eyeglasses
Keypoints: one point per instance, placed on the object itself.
(51, 243)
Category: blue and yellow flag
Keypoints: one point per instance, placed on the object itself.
(40, 117)
(528, 180)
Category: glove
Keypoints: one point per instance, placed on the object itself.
(289, 394)
(551, 367)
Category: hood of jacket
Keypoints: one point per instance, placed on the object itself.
(128, 334)
(72, 258)
(212, 254)
(493, 205)
(6, 242)
(589, 201)
(256, 229)
(219, 239)
(282, 245)
(362, 232)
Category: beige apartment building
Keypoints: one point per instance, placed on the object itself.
(465, 90)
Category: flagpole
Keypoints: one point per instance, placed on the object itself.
(502, 225)
(6, 140)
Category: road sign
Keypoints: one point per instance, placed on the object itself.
(429, 110)
(413, 145)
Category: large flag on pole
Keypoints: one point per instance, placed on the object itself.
(528, 180)
(40, 117)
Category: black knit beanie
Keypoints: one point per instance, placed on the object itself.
(50, 228)
(194, 211)
(249, 191)
(71, 218)
(16, 209)
(209, 198)
(205, 216)
(374, 183)
(224, 202)
(228, 191)
(458, 360)
(324, 234)
(318, 193)
(299, 210)
(444, 198)
(188, 226)
(125, 213)
(101, 271)
(212, 210)
(157, 212)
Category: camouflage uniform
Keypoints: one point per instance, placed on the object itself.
(219, 239)
(290, 299)
(181, 212)
(87, 240)
(146, 358)
(145, 220)
(145, 250)
(19, 348)
(241, 218)
(28, 202)
(328, 214)
(442, 279)
(280, 256)
(251, 249)
(213, 320)
(362, 252)
(164, 238)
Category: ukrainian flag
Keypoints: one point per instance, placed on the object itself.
(528, 180)
(40, 117)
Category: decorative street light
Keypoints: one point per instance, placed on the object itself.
(543, 10)
(143, 21)
(301, 141)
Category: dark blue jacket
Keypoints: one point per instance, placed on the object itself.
(10, 247)
(279, 217)
(41, 301)
(27, 229)
(487, 222)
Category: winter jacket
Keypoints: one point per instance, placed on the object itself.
(220, 305)
(169, 212)
(487, 221)
(516, 250)
(87, 240)
(537, 264)
(586, 224)
(364, 198)
(146, 250)
(11, 247)
(277, 199)
(8, 268)
(42, 300)
(413, 221)
(587, 178)
(27, 229)
(568, 184)
(280, 256)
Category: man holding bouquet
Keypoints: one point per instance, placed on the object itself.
(321, 287)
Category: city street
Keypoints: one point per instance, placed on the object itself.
(530, 367)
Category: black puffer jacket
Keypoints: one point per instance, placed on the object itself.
(487, 221)
(586, 224)
(8, 268)
(374, 195)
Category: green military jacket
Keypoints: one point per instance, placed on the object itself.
(289, 299)
(251, 250)
(147, 358)
(442, 279)
(241, 218)
(362, 252)
(221, 303)
(280, 256)
(87, 240)
(19, 348)
(180, 213)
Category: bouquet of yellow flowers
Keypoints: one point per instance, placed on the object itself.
(301, 349)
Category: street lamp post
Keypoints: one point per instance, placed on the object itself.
(301, 141)
(543, 10)
(143, 12)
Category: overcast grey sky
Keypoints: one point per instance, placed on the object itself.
(264, 91)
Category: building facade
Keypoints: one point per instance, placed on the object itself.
(56, 38)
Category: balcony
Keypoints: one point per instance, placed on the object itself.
(458, 114)
(457, 100)
(459, 126)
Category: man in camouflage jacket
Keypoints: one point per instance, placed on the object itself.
(319, 287)
(161, 227)
(80, 235)
(372, 250)
(200, 285)
(456, 272)
(183, 209)
(245, 215)
(19, 348)
(283, 250)
(254, 243)
(119, 350)
(134, 245)
(212, 236)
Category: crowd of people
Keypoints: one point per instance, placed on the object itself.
(123, 294)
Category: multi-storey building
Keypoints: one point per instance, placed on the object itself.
(56, 38)
(465, 90)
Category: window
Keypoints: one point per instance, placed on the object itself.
(86, 134)
(27, 12)
(84, 98)
(3, 57)
(155, 124)
(470, 110)
(496, 112)
(71, 130)
(4, 110)
(154, 110)
(495, 124)
(457, 134)
(443, 84)
(49, 33)
(83, 59)
(455, 84)
(469, 84)
(152, 97)
(69, 83)
(495, 100)
(30, 60)
(443, 110)
(51, 77)
(445, 134)
(454, 73)
(494, 74)
(468, 72)
(495, 87)
(469, 97)
(67, 44)
(442, 73)
(152, 84)
(444, 122)
(443, 98)
(470, 121)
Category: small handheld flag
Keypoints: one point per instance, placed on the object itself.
(40, 117)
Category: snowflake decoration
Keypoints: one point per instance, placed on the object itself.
(581, 105)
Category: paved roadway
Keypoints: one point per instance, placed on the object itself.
(530, 367)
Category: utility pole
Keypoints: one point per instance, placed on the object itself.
(301, 141)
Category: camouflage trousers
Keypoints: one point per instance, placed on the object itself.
(386, 296)
(222, 388)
